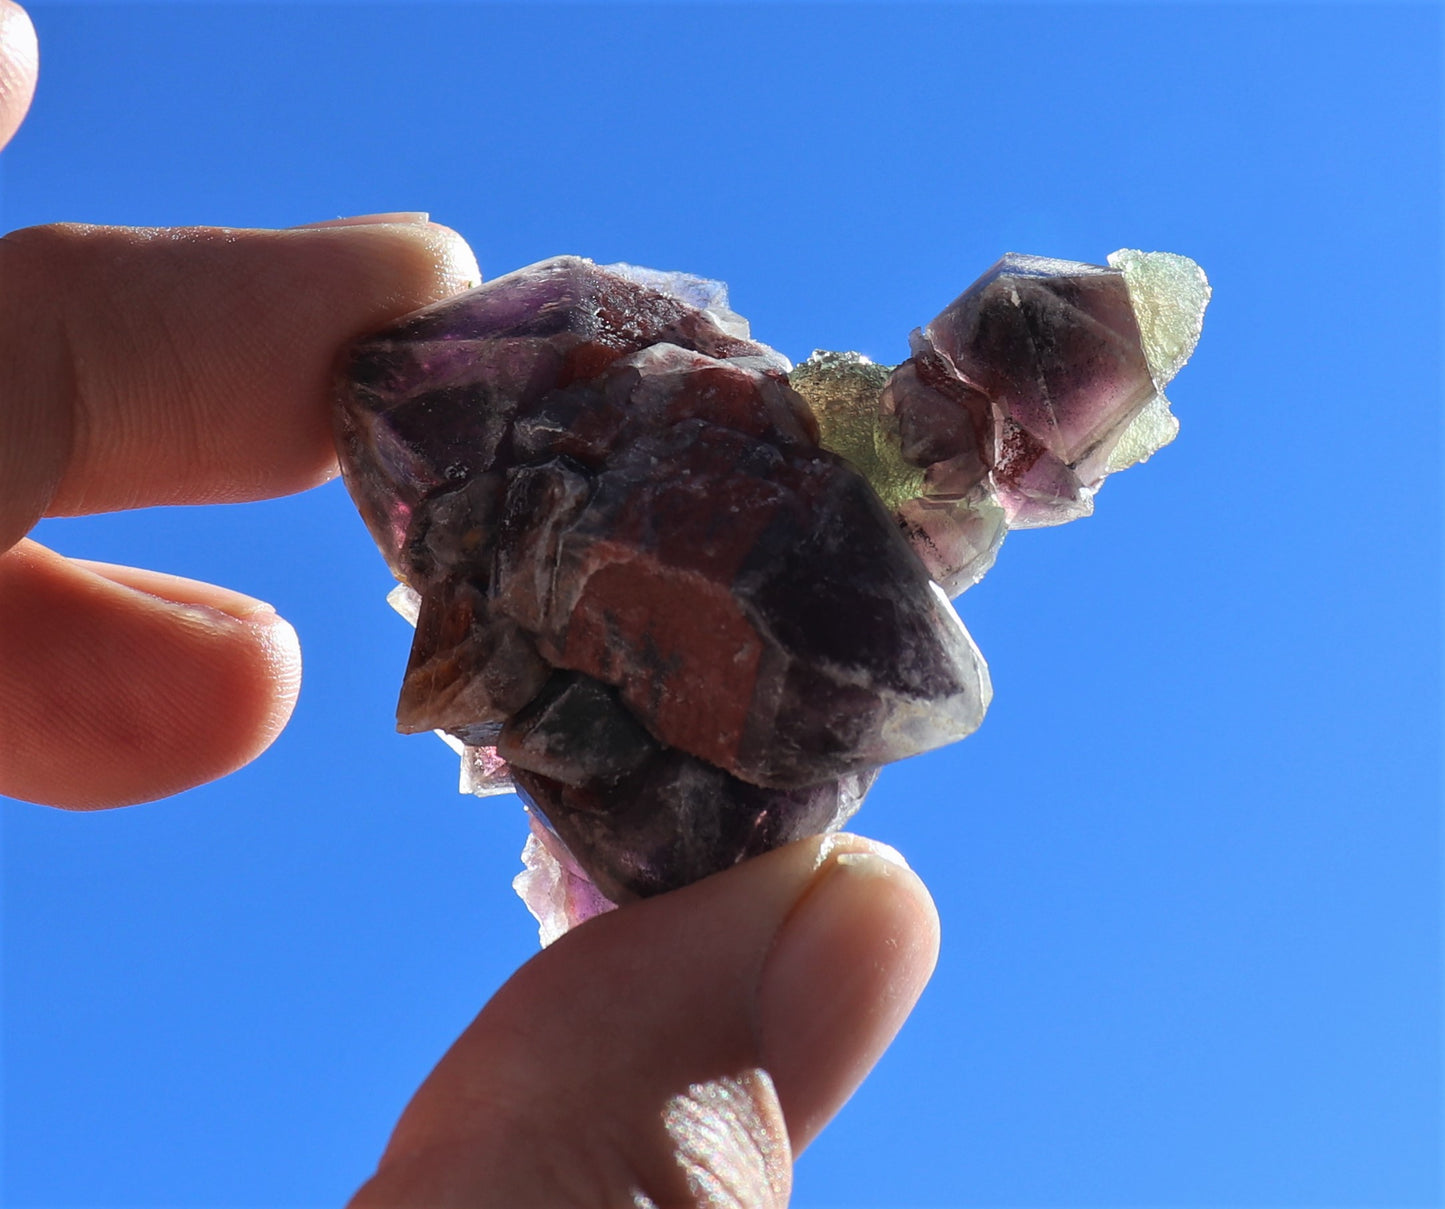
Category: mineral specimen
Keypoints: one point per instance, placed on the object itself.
(682, 595)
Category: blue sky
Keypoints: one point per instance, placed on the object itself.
(1189, 870)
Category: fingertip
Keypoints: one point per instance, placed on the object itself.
(119, 686)
(434, 260)
(458, 261)
(278, 658)
(19, 67)
(846, 967)
(196, 366)
(276, 645)
(775, 985)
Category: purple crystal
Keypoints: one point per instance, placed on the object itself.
(1055, 348)
(1020, 396)
(691, 632)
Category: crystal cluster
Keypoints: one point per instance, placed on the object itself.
(685, 597)
(1042, 378)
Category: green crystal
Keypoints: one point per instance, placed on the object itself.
(842, 389)
(1169, 294)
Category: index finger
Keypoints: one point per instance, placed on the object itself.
(143, 366)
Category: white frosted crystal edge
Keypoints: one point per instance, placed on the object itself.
(764, 362)
(553, 887)
(914, 725)
(405, 600)
(985, 681)
(484, 773)
(852, 789)
(1169, 294)
(1025, 264)
(1059, 511)
(1149, 431)
(703, 293)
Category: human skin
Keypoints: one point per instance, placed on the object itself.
(679, 1051)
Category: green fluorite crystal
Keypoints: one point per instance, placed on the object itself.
(842, 390)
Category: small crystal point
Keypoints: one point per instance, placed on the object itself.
(554, 887)
(484, 773)
(1169, 293)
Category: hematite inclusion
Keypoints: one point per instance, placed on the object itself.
(684, 596)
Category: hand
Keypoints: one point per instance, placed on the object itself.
(677, 1052)
(142, 367)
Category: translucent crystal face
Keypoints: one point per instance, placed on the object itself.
(843, 392)
(1169, 294)
(686, 598)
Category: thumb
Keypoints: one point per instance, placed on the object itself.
(677, 1052)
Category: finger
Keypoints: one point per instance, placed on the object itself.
(143, 366)
(119, 685)
(19, 65)
(679, 1048)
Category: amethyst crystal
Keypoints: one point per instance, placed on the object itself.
(690, 631)
(683, 601)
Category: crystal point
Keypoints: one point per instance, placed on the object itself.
(1169, 294)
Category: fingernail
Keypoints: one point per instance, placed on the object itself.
(202, 600)
(455, 264)
(256, 614)
(846, 968)
(416, 218)
(843, 842)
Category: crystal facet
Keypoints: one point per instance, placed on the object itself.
(686, 598)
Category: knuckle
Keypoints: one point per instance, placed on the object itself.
(39, 408)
